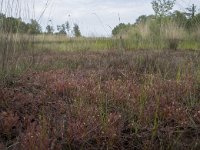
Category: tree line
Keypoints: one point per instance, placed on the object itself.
(188, 19)
(17, 25)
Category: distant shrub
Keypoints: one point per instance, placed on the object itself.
(173, 34)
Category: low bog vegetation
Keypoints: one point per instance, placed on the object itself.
(104, 100)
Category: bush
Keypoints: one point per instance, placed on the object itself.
(173, 34)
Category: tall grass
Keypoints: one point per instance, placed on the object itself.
(63, 43)
(13, 46)
(173, 34)
(162, 33)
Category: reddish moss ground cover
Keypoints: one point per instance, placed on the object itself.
(108, 100)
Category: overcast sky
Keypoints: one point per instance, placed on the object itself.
(95, 17)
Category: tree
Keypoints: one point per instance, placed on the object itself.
(49, 29)
(162, 7)
(10, 25)
(22, 26)
(34, 27)
(197, 20)
(179, 18)
(77, 32)
(17, 25)
(191, 11)
(141, 19)
(144, 19)
(2, 16)
(67, 26)
(193, 20)
(120, 28)
(61, 29)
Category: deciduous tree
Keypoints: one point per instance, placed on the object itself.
(162, 7)
(77, 32)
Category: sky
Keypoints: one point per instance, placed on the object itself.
(94, 17)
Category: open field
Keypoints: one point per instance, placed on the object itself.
(103, 100)
(127, 42)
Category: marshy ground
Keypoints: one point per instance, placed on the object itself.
(103, 100)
